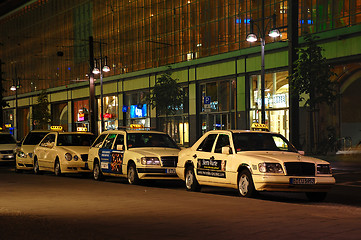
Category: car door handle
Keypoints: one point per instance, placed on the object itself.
(195, 156)
(212, 158)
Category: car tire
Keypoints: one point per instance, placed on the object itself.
(132, 174)
(316, 196)
(97, 172)
(245, 184)
(36, 167)
(191, 180)
(57, 169)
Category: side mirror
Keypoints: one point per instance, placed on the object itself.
(226, 150)
(301, 152)
(120, 147)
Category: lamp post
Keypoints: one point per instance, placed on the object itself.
(14, 88)
(252, 37)
(103, 67)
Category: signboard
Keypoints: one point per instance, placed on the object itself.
(138, 111)
(211, 168)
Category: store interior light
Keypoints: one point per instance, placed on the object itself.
(251, 37)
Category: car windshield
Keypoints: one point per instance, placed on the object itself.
(6, 139)
(75, 139)
(34, 138)
(137, 140)
(261, 142)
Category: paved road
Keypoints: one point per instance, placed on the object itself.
(49, 207)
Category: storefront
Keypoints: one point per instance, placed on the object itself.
(218, 105)
(81, 114)
(59, 115)
(136, 108)
(110, 112)
(276, 101)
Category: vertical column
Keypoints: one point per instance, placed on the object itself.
(70, 116)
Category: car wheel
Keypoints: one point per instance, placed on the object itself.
(97, 173)
(57, 169)
(245, 184)
(36, 167)
(132, 174)
(191, 181)
(316, 196)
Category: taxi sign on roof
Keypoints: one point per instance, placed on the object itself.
(56, 128)
(81, 129)
(259, 127)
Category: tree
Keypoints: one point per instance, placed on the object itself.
(41, 112)
(167, 96)
(311, 81)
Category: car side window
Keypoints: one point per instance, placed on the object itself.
(48, 139)
(207, 144)
(98, 142)
(108, 143)
(222, 141)
(119, 141)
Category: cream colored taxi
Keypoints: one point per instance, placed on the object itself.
(253, 161)
(63, 152)
(25, 152)
(134, 154)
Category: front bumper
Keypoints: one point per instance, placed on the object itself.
(75, 167)
(157, 173)
(24, 163)
(282, 183)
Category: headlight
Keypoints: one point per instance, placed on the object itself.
(68, 156)
(22, 154)
(76, 158)
(324, 169)
(270, 168)
(150, 161)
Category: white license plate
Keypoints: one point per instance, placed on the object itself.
(302, 181)
(171, 171)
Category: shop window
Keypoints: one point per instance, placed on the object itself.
(110, 112)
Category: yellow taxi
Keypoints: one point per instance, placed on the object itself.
(63, 152)
(25, 152)
(134, 154)
(252, 161)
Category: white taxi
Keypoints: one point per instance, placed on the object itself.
(25, 153)
(63, 152)
(134, 154)
(252, 161)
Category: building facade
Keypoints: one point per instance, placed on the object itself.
(45, 46)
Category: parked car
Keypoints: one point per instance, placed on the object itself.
(134, 154)
(7, 147)
(253, 161)
(25, 152)
(63, 152)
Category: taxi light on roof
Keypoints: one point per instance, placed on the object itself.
(136, 126)
(259, 127)
(56, 128)
(81, 129)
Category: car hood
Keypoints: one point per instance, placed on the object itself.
(155, 152)
(27, 148)
(280, 157)
(7, 147)
(75, 149)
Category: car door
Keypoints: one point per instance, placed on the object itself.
(45, 150)
(105, 153)
(202, 159)
(222, 161)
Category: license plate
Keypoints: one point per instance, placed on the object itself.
(171, 171)
(302, 181)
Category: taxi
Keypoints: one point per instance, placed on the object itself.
(7, 147)
(134, 154)
(25, 152)
(63, 152)
(251, 162)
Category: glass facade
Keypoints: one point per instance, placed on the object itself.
(136, 108)
(276, 101)
(59, 115)
(47, 40)
(81, 113)
(110, 114)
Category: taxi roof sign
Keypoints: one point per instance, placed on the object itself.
(81, 129)
(259, 127)
(56, 128)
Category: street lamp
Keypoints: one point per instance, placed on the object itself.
(14, 88)
(252, 37)
(103, 67)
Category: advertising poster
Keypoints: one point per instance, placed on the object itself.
(211, 168)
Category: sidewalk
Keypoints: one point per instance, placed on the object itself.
(342, 160)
